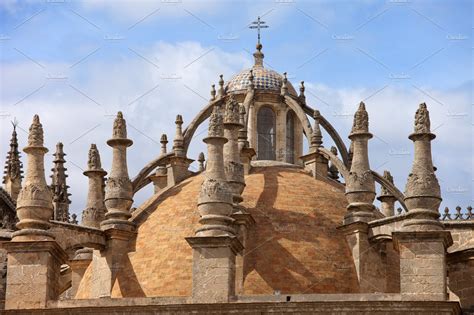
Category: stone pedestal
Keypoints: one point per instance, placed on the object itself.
(423, 264)
(246, 155)
(107, 263)
(243, 222)
(366, 259)
(33, 273)
(177, 169)
(214, 268)
(78, 265)
(316, 164)
(387, 205)
(160, 180)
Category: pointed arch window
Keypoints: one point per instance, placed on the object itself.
(266, 134)
(290, 136)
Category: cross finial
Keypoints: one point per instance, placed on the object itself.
(258, 24)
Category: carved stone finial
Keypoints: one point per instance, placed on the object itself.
(422, 119)
(251, 79)
(93, 162)
(316, 136)
(242, 115)
(422, 192)
(120, 127)
(258, 56)
(215, 198)
(94, 213)
(302, 97)
(231, 115)
(333, 171)
(119, 188)
(201, 160)
(389, 178)
(213, 92)
(164, 142)
(216, 129)
(34, 204)
(284, 87)
(361, 120)
(178, 142)
(74, 219)
(35, 136)
(360, 184)
(221, 86)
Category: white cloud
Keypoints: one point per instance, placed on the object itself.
(78, 111)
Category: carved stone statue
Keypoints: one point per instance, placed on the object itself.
(94, 158)
(215, 123)
(120, 127)
(231, 111)
(422, 119)
(35, 136)
(361, 120)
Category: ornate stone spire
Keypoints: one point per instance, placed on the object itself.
(302, 97)
(243, 140)
(284, 85)
(234, 169)
(94, 213)
(360, 184)
(215, 198)
(13, 168)
(160, 178)
(386, 198)
(251, 79)
(213, 92)
(34, 204)
(118, 190)
(422, 192)
(163, 142)
(333, 171)
(316, 136)
(59, 187)
(178, 143)
(221, 91)
(201, 161)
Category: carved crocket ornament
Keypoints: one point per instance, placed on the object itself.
(94, 158)
(231, 115)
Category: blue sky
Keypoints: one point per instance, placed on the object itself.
(77, 62)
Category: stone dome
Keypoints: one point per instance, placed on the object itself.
(264, 80)
(294, 246)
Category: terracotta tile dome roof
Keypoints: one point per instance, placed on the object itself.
(294, 247)
(264, 79)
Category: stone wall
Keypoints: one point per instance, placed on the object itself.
(354, 307)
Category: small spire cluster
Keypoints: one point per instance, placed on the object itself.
(13, 167)
(59, 186)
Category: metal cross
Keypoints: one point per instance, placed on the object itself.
(258, 24)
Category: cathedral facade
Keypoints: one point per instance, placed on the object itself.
(263, 226)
